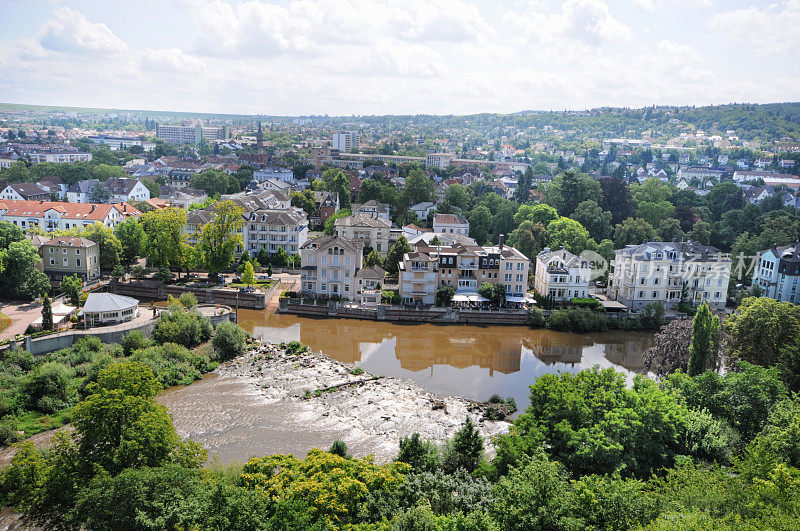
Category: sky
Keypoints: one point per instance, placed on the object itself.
(344, 57)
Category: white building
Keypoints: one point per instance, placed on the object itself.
(661, 271)
(330, 264)
(423, 210)
(25, 192)
(562, 275)
(272, 230)
(367, 230)
(59, 156)
(371, 207)
(777, 273)
(345, 142)
(115, 143)
(439, 160)
(450, 224)
(52, 216)
(108, 308)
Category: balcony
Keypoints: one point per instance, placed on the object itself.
(464, 266)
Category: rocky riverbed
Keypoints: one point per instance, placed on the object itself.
(370, 413)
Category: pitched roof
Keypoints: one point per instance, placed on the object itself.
(37, 209)
(73, 241)
(107, 302)
(323, 242)
(28, 189)
(363, 220)
(374, 272)
(448, 219)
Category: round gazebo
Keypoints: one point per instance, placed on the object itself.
(108, 308)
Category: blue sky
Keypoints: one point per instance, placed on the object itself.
(397, 56)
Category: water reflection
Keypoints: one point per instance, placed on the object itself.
(469, 361)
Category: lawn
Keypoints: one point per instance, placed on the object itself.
(261, 285)
(4, 321)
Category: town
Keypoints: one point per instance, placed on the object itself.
(370, 265)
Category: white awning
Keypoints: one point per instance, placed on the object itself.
(477, 298)
(514, 298)
(460, 298)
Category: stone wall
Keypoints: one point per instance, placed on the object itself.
(154, 290)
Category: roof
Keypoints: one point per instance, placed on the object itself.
(73, 241)
(687, 250)
(90, 211)
(374, 273)
(291, 216)
(107, 302)
(84, 187)
(363, 220)
(121, 186)
(323, 242)
(28, 189)
(569, 259)
(448, 219)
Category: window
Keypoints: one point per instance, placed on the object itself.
(66, 262)
(77, 262)
(64, 251)
(655, 294)
(641, 294)
(52, 261)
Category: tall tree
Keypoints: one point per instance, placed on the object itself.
(529, 238)
(109, 244)
(20, 278)
(566, 232)
(165, 242)
(47, 313)
(131, 236)
(616, 199)
(480, 223)
(395, 255)
(633, 231)
(418, 188)
(248, 275)
(760, 328)
(72, 286)
(594, 219)
(705, 341)
(220, 237)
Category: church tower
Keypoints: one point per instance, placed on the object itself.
(260, 139)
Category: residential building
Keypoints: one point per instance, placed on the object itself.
(372, 207)
(59, 156)
(439, 160)
(777, 273)
(126, 190)
(701, 173)
(367, 230)
(272, 230)
(561, 275)
(115, 143)
(661, 271)
(369, 282)
(79, 192)
(54, 185)
(25, 192)
(422, 210)
(463, 267)
(327, 204)
(330, 264)
(191, 134)
(180, 178)
(64, 257)
(346, 142)
(50, 216)
(450, 224)
(185, 197)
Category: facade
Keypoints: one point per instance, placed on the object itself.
(25, 192)
(115, 143)
(369, 282)
(422, 210)
(275, 229)
(373, 207)
(191, 134)
(345, 142)
(327, 204)
(185, 197)
(108, 308)
(64, 257)
(59, 157)
(51, 216)
(330, 264)
(561, 275)
(439, 160)
(777, 273)
(450, 224)
(658, 271)
(127, 190)
(79, 192)
(366, 230)
(463, 267)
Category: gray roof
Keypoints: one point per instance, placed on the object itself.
(84, 187)
(363, 220)
(290, 216)
(107, 302)
(323, 242)
(374, 272)
(686, 250)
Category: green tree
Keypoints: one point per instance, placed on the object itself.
(280, 258)
(221, 236)
(566, 232)
(248, 275)
(370, 190)
(47, 313)
(594, 219)
(701, 232)
(653, 213)
(229, 340)
(72, 287)
(633, 231)
(373, 259)
(539, 213)
(20, 278)
(651, 190)
(529, 238)
(705, 341)
(760, 328)
(103, 172)
(458, 196)
(669, 230)
(616, 199)
(567, 190)
(9, 233)
(109, 244)
(444, 295)
(395, 255)
(464, 450)
(418, 188)
(330, 224)
(98, 194)
(131, 237)
(165, 242)
(480, 223)
(215, 182)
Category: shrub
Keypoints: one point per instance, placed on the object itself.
(133, 340)
(423, 456)
(578, 319)
(536, 317)
(49, 387)
(295, 347)
(188, 300)
(229, 340)
(464, 450)
(338, 448)
(138, 272)
(182, 326)
(173, 364)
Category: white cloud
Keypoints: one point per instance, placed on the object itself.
(71, 32)
(170, 60)
(587, 21)
(774, 29)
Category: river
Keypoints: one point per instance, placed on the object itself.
(470, 361)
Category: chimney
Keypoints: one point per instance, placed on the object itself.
(502, 240)
(92, 210)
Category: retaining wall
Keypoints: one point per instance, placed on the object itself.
(154, 290)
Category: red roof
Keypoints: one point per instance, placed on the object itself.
(36, 209)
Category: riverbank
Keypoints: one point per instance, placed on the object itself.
(368, 413)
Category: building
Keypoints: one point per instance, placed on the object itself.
(369, 231)
(126, 190)
(450, 224)
(463, 267)
(423, 210)
(345, 142)
(777, 273)
(327, 204)
(273, 230)
(60, 157)
(369, 282)
(330, 264)
(80, 191)
(64, 257)
(372, 207)
(25, 192)
(185, 197)
(561, 275)
(439, 160)
(115, 143)
(51, 216)
(701, 173)
(661, 271)
(191, 134)
(108, 308)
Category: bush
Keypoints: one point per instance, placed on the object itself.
(173, 364)
(229, 340)
(536, 317)
(49, 387)
(138, 272)
(586, 302)
(577, 319)
(390, 297)
(188, 300)
(338, 448)
(423, 456)
(464, 450)
(295, 347)
(182, 326)
(134, 340)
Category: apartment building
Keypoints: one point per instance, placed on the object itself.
(777, 273)
(115, 143)
(275, 229)
(463, 267)
(69, 157)
(330, 264)
(191, 134)
(127, 190)
(25, 192)
(64, 257)
(52, 216)
(367, 230)
(561, 275)
(658, 271)
(450, 224)
(372, 207)
(346, 142)
(439, 160)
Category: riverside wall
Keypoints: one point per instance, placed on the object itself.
(154, 290)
